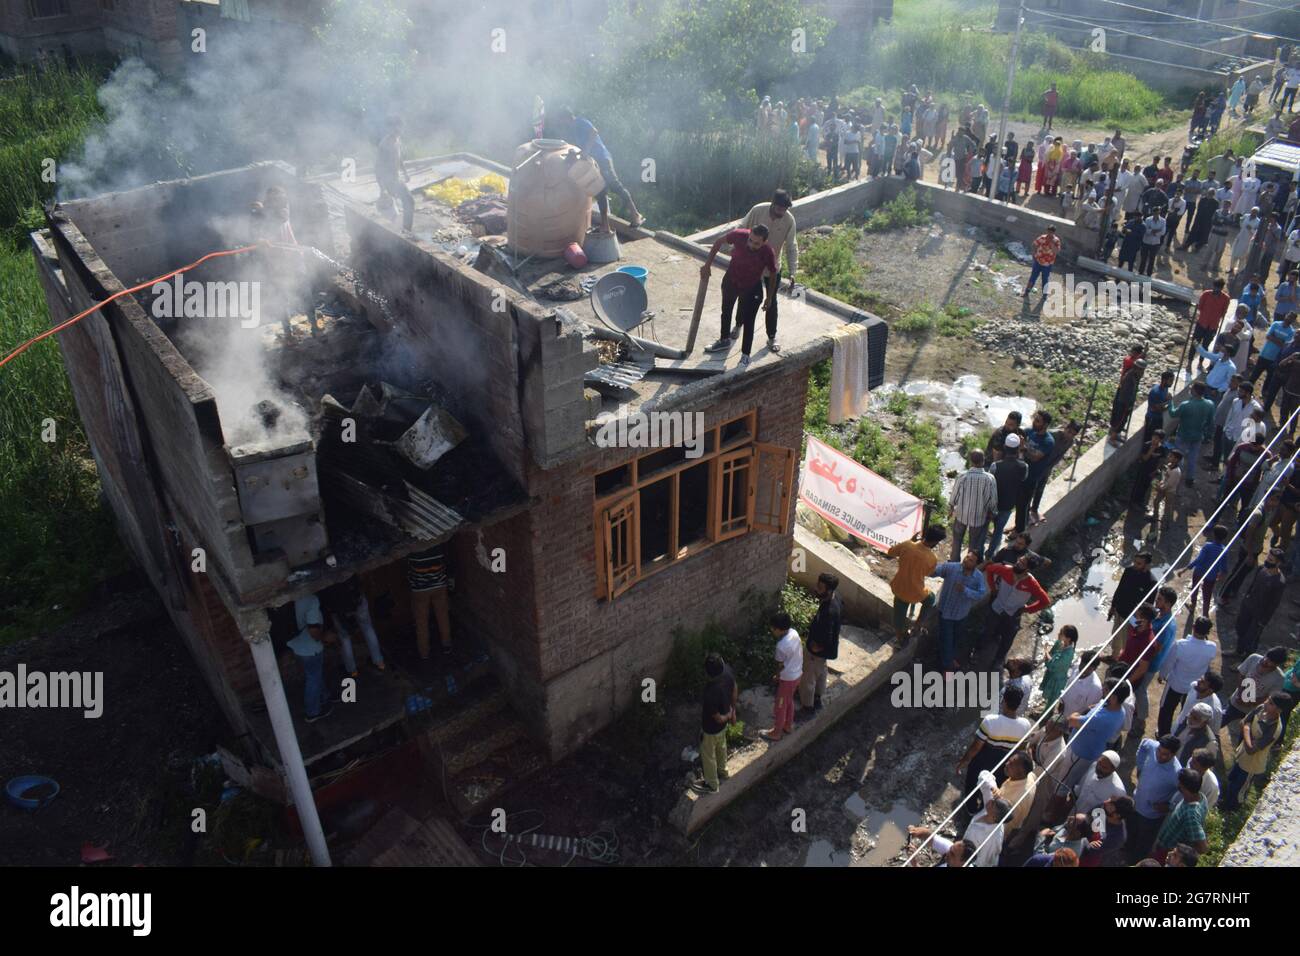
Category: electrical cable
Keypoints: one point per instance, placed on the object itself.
(1109, 29)
(1209, 523)
(115, 296)
(1212, 23)
(1174, 613)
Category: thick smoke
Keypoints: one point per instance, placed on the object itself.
(463, 76)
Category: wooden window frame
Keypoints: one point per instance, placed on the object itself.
(623, 503)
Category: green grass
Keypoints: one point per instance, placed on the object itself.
(951, 321)
(921, 453)
(704, 178)
(939, 46)
(1067, 395)
(907, 209)
(1240, 141)
(58, 540)
(871, 448)
(43, 118)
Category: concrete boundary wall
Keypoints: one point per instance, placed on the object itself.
(853, 200)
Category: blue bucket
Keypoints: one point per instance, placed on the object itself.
(636, 272)
(16, 787)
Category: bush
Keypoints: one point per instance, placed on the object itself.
(749, 655)
(908, 208)
(938, 47)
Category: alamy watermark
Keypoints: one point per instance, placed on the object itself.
(214, 300)
(1079, 300)
(651, 430)
(932, 689)
(60, 689)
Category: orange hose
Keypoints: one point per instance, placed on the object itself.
(117, 295)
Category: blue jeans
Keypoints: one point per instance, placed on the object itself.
(1191, 452)
(949, 635)
(1035, 272)
(314, 695)
(999, 525)
(1230, 798)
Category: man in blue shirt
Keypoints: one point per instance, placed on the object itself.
(1252, 297)
(1038, 447)
(1157, 783)
(1165, 632)
(579, 131)
(1093, 732)
(1280, 335)
(1288, 295)
(1222, 368)
(1157, 404)
(963, 587)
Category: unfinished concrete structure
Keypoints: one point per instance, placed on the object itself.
(573, 564)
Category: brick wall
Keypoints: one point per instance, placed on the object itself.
(585, 657)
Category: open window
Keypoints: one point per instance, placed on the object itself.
(621, 530)
(663, 506)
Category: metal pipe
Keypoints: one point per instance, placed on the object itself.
(286, 739)
(655, 348)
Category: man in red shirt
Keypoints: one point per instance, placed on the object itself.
(1210, 310)
(1046, 248)
(751, 270)
(1015, 590)
(1050, 97)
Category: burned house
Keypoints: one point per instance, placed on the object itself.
(404, 395)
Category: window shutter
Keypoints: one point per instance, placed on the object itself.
(772, 484)
(621, 532)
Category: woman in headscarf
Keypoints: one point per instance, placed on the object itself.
(1040, 179)
(1026, 171)
(1052, 167)
(1199, 233)
(1235, 95)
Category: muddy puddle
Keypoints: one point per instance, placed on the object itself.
(957, 409)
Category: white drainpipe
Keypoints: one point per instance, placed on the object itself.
(268, 673)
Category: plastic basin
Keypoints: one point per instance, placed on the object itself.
(636, 272)
(16, 787)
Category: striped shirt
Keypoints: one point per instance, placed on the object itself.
(974, 497)
(999, 730)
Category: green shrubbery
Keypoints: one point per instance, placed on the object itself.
(939, 47)
(58, 540)
(907, 209)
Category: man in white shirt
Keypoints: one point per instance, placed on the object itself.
(1291, 257)
(789, 655)
(1099, 784)
(1153, 237)
(986, 832)
(1292, 84)
(1203, 761)
(1206, 690)
(1080, 696)
(1185, 663)
(781, 235)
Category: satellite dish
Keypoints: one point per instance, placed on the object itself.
(619, 301)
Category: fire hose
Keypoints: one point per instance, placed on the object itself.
(117, 295)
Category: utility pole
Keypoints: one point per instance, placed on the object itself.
(1011, 81)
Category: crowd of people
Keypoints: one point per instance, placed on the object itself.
(1060, 796)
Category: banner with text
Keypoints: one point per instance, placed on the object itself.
(856, 499)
